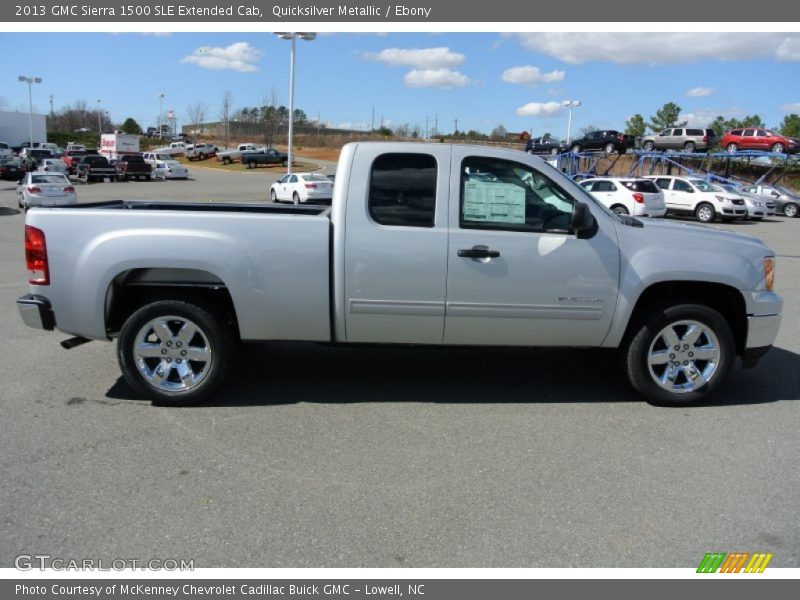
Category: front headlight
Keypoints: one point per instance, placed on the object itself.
(769, 272)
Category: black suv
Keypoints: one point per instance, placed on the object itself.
(544, 145)
(609, 141)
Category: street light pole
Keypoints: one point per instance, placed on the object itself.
(570, 104)
(160, 113)
(99, 118)
(293, 37)
(30, 81)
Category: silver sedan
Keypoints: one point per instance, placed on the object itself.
(45, 189)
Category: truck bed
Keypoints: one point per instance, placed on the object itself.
(203, 207)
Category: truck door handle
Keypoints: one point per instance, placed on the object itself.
(478, 252)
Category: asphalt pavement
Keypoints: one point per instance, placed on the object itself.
(390, 457)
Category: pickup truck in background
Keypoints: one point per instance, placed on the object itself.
(200, 151)
(270, 156)
(95, 167)
(5, 151)
(609, 141)
(174, 149)
(72, 157)
(230, 156)
(424, 244)
(132, 166)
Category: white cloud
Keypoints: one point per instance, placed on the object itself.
(662, 48)
(529, 75)
(240, 56)
(540, 109)
(700, 92)
(791, 108)
(441, 78)
(703, 116)
(418, 58)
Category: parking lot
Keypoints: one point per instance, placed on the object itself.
(390, 457)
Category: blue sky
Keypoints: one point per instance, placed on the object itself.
(408, 76)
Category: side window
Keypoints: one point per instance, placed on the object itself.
(761, 133)
(682, 186)
(604, 186)
(663, 183)
(748, 133)
(507, 195)
(736, 132)
(402, 190)
(666, 132)
(293, 179)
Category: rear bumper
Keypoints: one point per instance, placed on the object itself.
(36, 312)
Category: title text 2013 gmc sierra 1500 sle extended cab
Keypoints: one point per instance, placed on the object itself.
(429, 244)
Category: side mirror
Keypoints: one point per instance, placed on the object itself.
(582, 221)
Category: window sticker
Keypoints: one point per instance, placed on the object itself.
(494, 202)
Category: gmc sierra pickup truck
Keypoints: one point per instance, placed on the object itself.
(133, 166)
(424, 244)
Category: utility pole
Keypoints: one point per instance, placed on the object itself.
(455, 131)
(426, 127)
(436, 124)
(319, 126)
(372, 122)
(52, 112)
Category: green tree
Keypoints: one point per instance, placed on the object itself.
(790, 126)
(667, 116)
(720, 125)
(131, 126)
(636, 125)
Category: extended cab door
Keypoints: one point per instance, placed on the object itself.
(516, 273)
(395, 247)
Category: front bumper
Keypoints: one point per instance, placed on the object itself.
(762, 330)
(36, 312)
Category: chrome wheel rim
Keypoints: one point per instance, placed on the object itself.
(777, 148)
(683, 357)
(705, 213)
(790, 210)
(172, 354)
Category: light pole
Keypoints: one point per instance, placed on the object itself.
(293, 37)
(99, 118)
(160, 97)
(30, 81)
(570, 104)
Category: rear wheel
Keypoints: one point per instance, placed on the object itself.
(620, 210)
(296, 198)
(689, 147)
(251, 164)
(705, 212)
(226, 160)
(176, 352)
(201, 156)
(790, 209)
(680, 354)
(649, 146)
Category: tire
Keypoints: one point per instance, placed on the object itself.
(150, 363)
(705, 213)
(790, 209)
(296, 198)
(553, 151)
(575, 149)
(689, 147)
(150, 177)
(609, 148)
(619, 210)
(251, 165)
(201, 156)
(273, 196)
(649, 146)
(285, 163)
(226, 160)
(731, 147)
(777, 148)
(696, 330)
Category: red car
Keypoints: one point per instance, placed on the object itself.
(752, 138)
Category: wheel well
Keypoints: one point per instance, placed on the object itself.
(723, 298)
(132, 289)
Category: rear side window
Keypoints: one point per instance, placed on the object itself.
(402, 190)
(604, 186)
(663, 183)
(644, 186)
(694, 132)
(736, 132)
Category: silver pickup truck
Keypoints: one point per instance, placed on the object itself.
(424, 244)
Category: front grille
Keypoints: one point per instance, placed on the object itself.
(738, 202)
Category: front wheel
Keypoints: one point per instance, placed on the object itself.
(705, 213)
(790, 209)
(689, 147)
(296, 198)
(176, 352)
(273, 196)
(731, 148)
(226, 161)
(251, 164)
(777, 148)
(680, 354)
(609, 148)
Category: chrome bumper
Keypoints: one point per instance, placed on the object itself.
(762, 330)
(36, 312)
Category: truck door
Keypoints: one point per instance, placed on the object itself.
(516, 273)
(395, 249)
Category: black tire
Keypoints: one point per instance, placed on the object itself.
(732, 147)
(654, 322)
(218, 331)
(648, 146)
(251, 164)
(296, 198)
(609, 148)
(201, 156)
(285, 163)
(226, 160)
(273, 196)
(619, 209)
(705, 212)
(790, 209)
(689, 147)
(150, 177)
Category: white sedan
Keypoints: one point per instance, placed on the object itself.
(302, 187)
(45, 189)
(170, 169)
(627, 195)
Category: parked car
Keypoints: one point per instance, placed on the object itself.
(751, 138)
(545, 145)
(270, 156)
(170, 169)
(786, 201)
(95, 167)
(694, 196)
(627, 195)
(230, 156)
(302, 188)
(53, 164)
(687, 139)
(132, 166)
(414, 251)
(45, 189)
(5, 151)
(609, 141)
(12, 168)
(200, 151)
(32, 157)
(758, 207)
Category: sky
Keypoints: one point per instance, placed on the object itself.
(482, 79)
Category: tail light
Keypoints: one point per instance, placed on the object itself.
(311, 186)
(69, 189)
(36, 256)
(34, 189)
(705, 139)
(638, 198)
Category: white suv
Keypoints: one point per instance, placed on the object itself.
(692, 195)
(627, 195)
